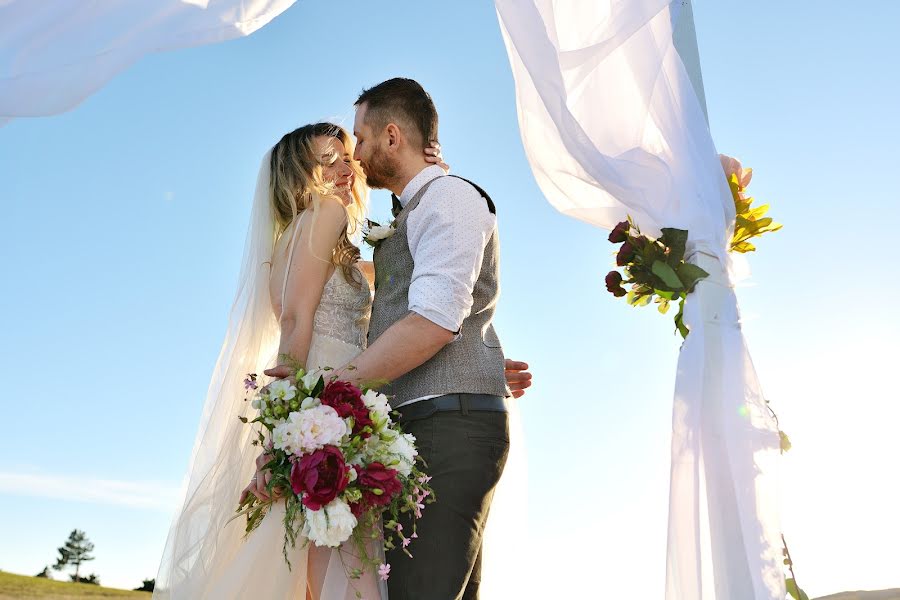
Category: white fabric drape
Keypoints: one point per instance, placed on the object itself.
(56, 53)
(614, 124)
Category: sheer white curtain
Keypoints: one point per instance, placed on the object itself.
(56, 53)
(613, 123)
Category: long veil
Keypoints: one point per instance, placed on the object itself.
(223, 458)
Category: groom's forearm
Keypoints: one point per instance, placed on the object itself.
(404, 346)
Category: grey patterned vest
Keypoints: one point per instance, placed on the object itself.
(474, 362)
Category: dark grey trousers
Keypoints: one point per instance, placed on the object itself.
(465, 452)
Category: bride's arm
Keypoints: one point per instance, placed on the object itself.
(368, 270)
(310, 269)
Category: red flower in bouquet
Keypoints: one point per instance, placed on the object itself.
(379, 484)
(346, 399)
(320, 477)
(614, 284)
(625, 255)
(619, 233)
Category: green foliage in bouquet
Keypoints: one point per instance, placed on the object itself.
(357, 487)
(654, 268)
(749, 222)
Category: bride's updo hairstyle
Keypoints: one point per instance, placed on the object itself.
(297, 184)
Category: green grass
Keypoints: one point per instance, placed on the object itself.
(21, 586)
(879, 595)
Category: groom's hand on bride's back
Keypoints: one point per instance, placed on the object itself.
(517, 377)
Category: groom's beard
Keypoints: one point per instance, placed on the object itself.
(380, 171)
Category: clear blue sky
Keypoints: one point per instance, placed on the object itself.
(124, 221)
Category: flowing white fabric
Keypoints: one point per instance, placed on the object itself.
(612, 125)
(56, 53)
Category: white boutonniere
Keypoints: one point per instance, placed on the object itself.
(376, 233)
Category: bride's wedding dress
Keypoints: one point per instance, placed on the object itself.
(236, 567)
(257, 569)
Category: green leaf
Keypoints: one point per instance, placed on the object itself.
(643, 300)
(317, 389)
(679, 320)
(743, 247)
(667, 274)
(785, 441)
(793, 591)
(663, 306)
(690, 275)
(758, 212)
(676, 240)
(667, 294)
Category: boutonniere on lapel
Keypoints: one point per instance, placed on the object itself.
(374, 233)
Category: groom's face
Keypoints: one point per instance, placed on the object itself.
(372, 151)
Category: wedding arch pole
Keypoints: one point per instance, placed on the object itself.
(613, 121)
(56, 53)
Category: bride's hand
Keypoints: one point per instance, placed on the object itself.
(260, 481)
(280, 372)
(433, 155)
(517, 377)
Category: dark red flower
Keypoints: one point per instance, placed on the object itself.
(346, 399)
(378, 477)
(626, 253)
(619, 233)
(614, 284)
(320, 477)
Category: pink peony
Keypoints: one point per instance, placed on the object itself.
(732, 166)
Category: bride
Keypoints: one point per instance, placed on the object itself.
(303, 296)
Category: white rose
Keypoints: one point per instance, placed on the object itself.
(330, 526)
(282, 389)
(403, 452)
(378, 404)
(380, 232)
(281, 438)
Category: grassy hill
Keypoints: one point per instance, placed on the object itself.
(21, 586)
(880, 595)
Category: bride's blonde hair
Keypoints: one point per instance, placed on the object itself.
(297, 184)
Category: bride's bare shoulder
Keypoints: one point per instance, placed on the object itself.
(367, 268)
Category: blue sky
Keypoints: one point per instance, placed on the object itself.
(125, 219)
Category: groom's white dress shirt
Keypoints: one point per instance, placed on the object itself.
(447, 234)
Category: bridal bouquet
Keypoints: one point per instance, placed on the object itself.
(655, 268)
(344, 469)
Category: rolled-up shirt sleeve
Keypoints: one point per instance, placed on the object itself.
(447, 234)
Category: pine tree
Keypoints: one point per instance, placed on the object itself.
(45, 573)
(75, 551)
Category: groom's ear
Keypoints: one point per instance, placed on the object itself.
(393, 135)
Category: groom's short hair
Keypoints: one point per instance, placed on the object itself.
(404, 102)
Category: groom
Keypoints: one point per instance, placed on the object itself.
(436, 289)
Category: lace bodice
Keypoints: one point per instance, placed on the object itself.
(344, 310)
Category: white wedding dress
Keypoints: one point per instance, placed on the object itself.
(230, 565)
(257, 568)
